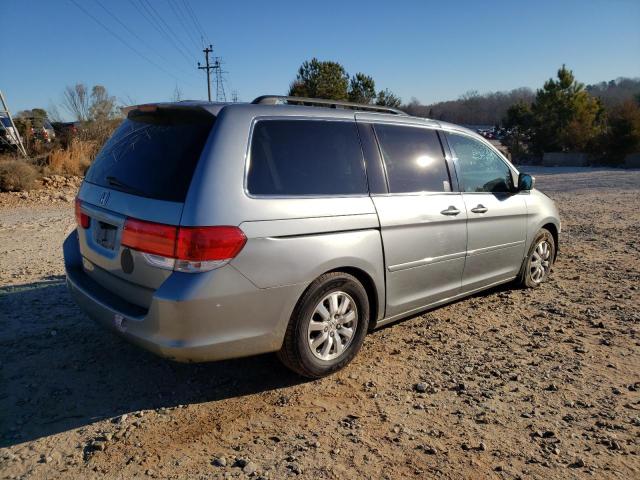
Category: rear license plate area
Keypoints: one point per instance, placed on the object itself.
(105, 235)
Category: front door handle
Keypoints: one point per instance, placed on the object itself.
(479, 209)
(452, 211)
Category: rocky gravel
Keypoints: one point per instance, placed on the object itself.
(509, 383)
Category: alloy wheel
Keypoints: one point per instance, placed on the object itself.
(540, 264)
(332, 325)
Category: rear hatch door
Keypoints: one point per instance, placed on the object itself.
(143, 172)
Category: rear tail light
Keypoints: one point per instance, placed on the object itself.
(209, 243)
(82, 219)
(186, 249)
(148, 237)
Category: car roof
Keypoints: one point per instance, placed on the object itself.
(310, 111)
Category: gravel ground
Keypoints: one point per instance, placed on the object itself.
(509, 383)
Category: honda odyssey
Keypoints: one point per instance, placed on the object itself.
(208, 231)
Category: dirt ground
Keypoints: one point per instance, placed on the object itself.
(509, 383)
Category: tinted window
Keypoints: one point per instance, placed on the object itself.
(5, 121)
(413, 158)
(305, 157)
(482, 170)
(153, 155)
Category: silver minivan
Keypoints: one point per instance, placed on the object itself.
(209, 231)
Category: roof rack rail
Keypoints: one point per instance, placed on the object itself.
(321, 102)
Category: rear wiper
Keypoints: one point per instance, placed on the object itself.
(119, 184)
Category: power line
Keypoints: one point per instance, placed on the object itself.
(125, 43)
(155, 24)
(168, 27)
(195, 21)
(132, 32)
(181, 18)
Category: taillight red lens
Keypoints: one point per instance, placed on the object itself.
(149, 237)
(82, 219)
(199, 244)
(193, 244)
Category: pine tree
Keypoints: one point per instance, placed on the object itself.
(362, 89)
(320, 79)
(565, 117)
(388, 99)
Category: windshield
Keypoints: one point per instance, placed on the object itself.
(153, 154)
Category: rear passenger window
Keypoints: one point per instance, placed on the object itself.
(414, 159)
(306, 157)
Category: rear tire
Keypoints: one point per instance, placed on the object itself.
(537, 266)
(327, 326)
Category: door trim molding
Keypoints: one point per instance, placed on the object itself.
(480, 251)
(426, 261)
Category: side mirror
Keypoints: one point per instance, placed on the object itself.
(525, 182)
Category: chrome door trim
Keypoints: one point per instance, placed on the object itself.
(426, 261)
(492, 248)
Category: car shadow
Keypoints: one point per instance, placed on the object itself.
(60, 371)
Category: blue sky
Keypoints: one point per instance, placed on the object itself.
(429, 50)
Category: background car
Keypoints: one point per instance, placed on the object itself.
(9, 136)
(39, 127)
(66, 131)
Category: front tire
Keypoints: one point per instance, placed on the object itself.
(537, 266)
(327, 327)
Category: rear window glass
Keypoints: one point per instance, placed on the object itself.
(306, 157)
(154, 154)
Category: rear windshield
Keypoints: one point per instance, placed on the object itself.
(153, 154)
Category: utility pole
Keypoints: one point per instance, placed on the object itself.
(208, 68)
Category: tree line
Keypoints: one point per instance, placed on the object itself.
(567, 116)
(473, 108)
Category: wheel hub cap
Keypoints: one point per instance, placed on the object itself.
(332, 325)
(540, 263)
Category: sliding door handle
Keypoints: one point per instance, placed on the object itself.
(451, 211)
(479, 209)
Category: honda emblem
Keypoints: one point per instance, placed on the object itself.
(104, 198)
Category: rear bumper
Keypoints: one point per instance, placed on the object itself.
(192, 317)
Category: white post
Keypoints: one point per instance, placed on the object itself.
(21, 148)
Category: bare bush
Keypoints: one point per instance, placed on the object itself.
(76, 101)
(16, 175)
